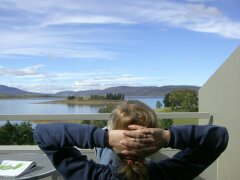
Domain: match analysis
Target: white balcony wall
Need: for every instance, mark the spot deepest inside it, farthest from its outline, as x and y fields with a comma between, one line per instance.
x=220, y=96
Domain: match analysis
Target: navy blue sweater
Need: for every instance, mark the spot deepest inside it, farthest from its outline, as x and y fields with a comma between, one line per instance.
x=199, y=147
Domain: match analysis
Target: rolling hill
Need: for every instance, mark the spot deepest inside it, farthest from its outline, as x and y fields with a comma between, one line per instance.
x=129, y=91
x=6, y=91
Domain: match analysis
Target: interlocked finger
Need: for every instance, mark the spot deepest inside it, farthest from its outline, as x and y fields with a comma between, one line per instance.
x=141, y=152
x=142, y=140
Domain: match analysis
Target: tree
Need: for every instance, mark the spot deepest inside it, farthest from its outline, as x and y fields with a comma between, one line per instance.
x=80, y=98
x=175, y=99
x=166, y=100
x=71, y=97
x=182, y=100
x=165, y=123
x=190, y=101
x=91, y=97
x=7, y=134
x=123, y=97
x=24, y=134
x=118, y=96
x=158, y=104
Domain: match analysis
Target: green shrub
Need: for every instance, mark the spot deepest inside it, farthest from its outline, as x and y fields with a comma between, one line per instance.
x=17, y=134
x=99, y=123
x=165, y=123
x=106, y=109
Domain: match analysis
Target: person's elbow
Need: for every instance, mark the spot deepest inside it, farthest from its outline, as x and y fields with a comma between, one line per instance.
x=39, y=136
x=222, y=135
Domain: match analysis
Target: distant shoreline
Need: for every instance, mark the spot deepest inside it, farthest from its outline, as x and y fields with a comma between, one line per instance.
x=84, y=102
x=24, y=97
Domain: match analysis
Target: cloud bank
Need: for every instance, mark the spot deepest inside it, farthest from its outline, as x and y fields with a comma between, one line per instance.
x=44, y=28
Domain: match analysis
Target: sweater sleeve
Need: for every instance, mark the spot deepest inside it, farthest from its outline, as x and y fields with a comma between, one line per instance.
x=59, y=135
x=58, y=141
x=214, y=138
x=199, y=147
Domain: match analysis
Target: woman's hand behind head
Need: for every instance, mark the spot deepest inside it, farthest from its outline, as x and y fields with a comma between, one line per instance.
x=134, y=147
x=143, y=141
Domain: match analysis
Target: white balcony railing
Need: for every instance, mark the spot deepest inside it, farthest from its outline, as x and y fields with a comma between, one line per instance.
x=96, y=116
x=54, y=117
x=92, y=116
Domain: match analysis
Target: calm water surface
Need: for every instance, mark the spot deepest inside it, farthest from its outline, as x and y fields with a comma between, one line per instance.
x=150, y=101
x=31, y=106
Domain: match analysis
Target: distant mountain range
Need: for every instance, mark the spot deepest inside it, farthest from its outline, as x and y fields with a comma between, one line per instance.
x=126, y=90
x=5, y=90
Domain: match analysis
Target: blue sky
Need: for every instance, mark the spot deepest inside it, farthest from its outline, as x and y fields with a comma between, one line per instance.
x=57, y=45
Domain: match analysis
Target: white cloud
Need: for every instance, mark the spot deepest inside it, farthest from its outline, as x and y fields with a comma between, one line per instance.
x=54, y=44
x=55, y=12
x=45, y=28
x=46, y=88
x=27, y=71
x=202, y=10
x=86, y=19
x=32, y=79
x=194, y=17
x=200, y=1
x=101, y=82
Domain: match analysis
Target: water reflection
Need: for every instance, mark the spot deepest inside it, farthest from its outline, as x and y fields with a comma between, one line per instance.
x=73, y=108
x=32, y=106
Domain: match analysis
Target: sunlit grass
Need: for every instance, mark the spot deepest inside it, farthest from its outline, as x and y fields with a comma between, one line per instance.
x=55, y=121
x=192, y=121
x=178, y=121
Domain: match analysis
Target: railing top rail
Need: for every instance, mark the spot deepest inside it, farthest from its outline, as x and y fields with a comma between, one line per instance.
x=97, y=116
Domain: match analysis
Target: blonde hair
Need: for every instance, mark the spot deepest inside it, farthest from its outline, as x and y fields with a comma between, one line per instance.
x=138, y=113
x=132, y=112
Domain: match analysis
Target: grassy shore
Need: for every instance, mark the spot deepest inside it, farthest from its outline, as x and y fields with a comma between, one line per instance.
x=185, y=121
x=56, y=121
x=179, y=121
x=175, y=121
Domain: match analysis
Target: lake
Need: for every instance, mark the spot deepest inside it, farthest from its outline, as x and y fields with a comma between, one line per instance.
x=31, y=106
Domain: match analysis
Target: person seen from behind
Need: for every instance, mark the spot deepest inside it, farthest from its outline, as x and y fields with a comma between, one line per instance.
x=122, y=149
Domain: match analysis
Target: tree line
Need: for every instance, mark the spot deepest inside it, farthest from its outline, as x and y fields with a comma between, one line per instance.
x=108, y=96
